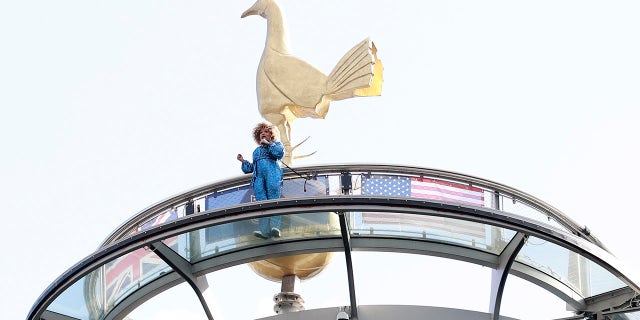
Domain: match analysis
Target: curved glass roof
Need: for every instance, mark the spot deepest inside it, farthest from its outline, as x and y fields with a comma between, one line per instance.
x=346, y=211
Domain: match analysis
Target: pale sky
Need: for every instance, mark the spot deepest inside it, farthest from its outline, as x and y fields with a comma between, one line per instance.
x=111, y=106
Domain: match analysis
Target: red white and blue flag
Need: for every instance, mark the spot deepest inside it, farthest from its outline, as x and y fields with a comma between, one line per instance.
x=427, y=188
x=134, y=267
x=160, y=219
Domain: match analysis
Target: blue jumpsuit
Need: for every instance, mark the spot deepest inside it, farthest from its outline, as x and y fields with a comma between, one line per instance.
x=267, y=178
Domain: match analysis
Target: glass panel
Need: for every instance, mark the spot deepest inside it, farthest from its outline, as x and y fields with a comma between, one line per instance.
x=447, y=191
x=517, y=300
x=631, y=315
x=575, y=271
x=232, y=298
x=230, y=197
x=291, y=188
x=333, y=280
x=94, y=295
x=522, y=209
x=203, y=243
x=166, y=216
x=128, y=273
x=391, y=185
x=74, y=303
x=439, y=229
x=179, y=302
x=296, y=188
x=623, y=316
x=408, y=279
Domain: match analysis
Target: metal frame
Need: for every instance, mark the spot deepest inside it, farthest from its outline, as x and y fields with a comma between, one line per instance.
x=346, y=241
x=184, y=269
x=498, y=188
x=335, y=204
x=500, y=274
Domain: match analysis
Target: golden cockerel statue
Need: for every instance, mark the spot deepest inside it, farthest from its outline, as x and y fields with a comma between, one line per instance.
x=290, y=88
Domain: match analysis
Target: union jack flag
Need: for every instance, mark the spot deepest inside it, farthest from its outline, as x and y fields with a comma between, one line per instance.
x=131, y=270
x=160, y=219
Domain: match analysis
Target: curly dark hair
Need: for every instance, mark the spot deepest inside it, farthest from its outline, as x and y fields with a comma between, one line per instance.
x=275, y=134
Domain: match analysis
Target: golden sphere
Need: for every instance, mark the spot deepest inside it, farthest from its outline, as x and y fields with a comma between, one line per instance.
x=304, y=266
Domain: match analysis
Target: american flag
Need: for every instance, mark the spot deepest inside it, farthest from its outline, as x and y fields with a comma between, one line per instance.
x=435, y=225
x=395, y=186
x=133, y=268
x=427, y=188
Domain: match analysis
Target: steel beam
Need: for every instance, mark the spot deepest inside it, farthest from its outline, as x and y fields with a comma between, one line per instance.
x=346, y=241
x=500, y=274
x=184, y=269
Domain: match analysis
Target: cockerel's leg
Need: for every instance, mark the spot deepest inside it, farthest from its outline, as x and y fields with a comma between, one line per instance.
x=285, y=137
x=286, y=141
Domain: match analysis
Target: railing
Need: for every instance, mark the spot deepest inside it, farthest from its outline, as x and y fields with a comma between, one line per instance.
x=383, y=207
x=358, y=179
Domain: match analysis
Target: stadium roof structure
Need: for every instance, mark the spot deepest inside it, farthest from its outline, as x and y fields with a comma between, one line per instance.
x=347, y=209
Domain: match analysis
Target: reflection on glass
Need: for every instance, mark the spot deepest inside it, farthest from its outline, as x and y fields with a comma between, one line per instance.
x=97, y=293
x=128, y=273
x=389, y=185
x=233, y=301
x=521, y=209
x=201, y=244
x=75, y=304
x=291, y=188
x=577, y=272
x=455, y=231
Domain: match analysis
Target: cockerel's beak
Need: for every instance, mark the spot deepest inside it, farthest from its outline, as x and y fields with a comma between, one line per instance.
x=251, y=11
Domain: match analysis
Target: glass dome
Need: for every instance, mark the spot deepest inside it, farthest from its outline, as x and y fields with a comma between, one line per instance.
x=368, y=241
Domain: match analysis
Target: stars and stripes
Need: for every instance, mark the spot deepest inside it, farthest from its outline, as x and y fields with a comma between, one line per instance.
x=446, y=191
x=436, y=225
x=392, y=186
x=427, y=188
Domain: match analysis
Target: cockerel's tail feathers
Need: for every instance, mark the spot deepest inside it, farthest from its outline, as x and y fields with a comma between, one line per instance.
x=375, y=88
x=358, y=73
x=354, y=65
